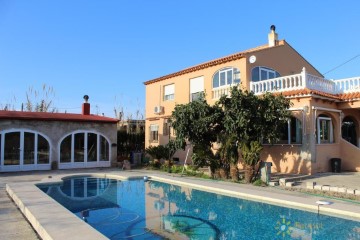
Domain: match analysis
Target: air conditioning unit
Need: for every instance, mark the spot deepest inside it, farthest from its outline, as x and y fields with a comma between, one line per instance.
x=158, y=109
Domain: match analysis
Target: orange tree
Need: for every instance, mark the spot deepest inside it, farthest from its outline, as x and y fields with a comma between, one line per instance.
x=199, y=123
x=254, y=119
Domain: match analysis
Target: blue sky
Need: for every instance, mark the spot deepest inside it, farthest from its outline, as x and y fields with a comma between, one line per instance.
x=107, y=49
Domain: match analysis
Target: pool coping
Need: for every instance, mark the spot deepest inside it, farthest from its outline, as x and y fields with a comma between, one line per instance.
x=58, y=223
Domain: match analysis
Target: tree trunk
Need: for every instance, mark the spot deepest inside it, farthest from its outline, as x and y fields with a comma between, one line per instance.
x=224, y=173
x=249, y=173
x=216, y=174
x=234, y=172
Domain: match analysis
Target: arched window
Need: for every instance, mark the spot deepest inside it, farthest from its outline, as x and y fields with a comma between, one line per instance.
x=324, y=129
x=291, y=132
x=23, y=147
x=348, y=130
x=80, y=147
x=263, y=73
x=226, y=76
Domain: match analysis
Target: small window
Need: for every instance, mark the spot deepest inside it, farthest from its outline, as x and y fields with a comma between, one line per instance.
x=154, y=133
x=226, y=77
x=263, y=73
x=324, y=130
x=169, y=92
x=196, y=88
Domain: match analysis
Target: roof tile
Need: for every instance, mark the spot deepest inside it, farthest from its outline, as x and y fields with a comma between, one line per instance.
x=46, y=116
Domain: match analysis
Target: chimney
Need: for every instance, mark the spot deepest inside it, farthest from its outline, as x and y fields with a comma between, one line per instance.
x=86, y=106
x=273, y=37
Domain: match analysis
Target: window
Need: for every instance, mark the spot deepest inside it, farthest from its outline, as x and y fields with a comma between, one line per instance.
x=226, y=76
x=104, y=149
x=92, y=147
x=43, y=150
x=263, y=73
x=29, y=148
x=79, y=140
x=65, y=150
x=169, y=92
x=154, y=133
x=324, y=129
x=24, y=148
x=12, y=148
x=291, y=132
x=196, y=88
x=83, y=147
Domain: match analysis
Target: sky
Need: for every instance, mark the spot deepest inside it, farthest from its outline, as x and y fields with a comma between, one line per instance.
x=108, y=49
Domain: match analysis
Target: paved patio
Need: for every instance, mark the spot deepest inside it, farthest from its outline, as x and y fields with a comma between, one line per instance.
x=14, y=225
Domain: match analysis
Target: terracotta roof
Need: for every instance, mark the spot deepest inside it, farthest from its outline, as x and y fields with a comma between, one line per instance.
x=307, y=91
x=215, y=62
x=349, y=96
x=45, y=116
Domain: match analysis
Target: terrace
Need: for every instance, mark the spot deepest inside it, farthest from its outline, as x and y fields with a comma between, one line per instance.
x=305, y=80
x=299, y=81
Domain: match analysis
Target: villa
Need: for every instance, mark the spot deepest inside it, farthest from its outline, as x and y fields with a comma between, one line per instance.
x=325, y=113
x=42, y=140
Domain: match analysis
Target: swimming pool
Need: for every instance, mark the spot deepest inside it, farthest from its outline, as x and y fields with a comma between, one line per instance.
x=136, y=209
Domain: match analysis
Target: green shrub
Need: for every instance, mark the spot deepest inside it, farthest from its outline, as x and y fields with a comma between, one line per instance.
x=154, y=164
x=259, y=183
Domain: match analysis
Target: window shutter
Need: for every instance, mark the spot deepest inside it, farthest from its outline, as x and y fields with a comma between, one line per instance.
x=169, y=89
x=197, y=85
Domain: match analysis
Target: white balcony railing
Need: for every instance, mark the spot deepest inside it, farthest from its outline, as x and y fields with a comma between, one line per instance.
x=296, y=82
x=305, y=80
x=218, y=92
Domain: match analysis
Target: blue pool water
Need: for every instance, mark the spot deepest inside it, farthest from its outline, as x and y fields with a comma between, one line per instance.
x=153, y=210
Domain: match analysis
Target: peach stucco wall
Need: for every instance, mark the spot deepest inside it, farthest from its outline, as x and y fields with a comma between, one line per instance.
x=306, y=158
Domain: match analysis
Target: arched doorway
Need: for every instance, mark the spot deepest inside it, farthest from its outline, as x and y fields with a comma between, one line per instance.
x=22, y=150
x=348, y=130
x=84, y=149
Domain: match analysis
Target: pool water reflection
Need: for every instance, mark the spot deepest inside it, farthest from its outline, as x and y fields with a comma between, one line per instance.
x=153, y=210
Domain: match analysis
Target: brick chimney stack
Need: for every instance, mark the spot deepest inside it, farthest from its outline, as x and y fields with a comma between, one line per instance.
x=86, y=106
x=273, y=37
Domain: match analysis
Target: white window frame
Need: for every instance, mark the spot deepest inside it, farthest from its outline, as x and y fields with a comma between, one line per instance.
x=169, y=92
x=331, y=132
x=267, y=70
x=154, y=128
x=289, y=142
x=234, y=75
x=21, y=164
x=196, y=88
x=85, y=162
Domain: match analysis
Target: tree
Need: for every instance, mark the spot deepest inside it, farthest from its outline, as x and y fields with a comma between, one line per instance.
x=198, y=123
x=254, y=119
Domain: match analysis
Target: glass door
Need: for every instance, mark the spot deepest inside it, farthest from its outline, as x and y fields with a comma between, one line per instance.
x=12, y=149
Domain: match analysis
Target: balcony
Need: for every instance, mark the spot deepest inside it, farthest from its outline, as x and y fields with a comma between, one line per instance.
x=305, y=80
